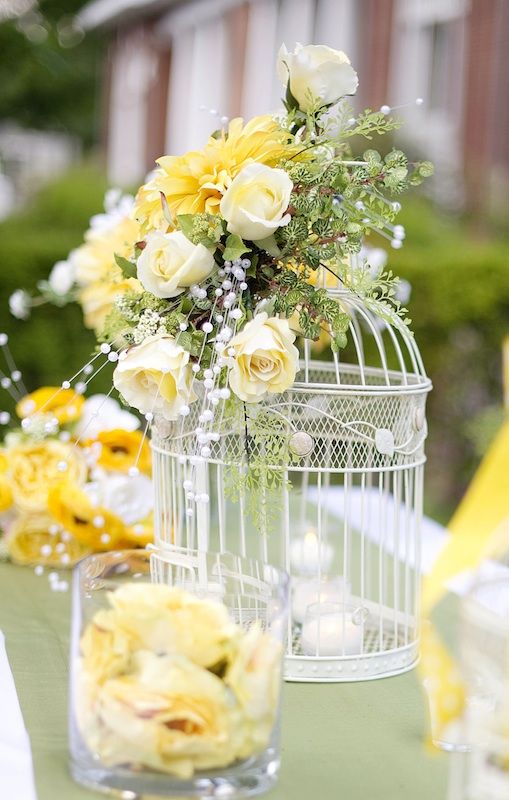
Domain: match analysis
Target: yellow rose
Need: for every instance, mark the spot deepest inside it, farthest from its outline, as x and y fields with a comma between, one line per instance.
x=156, y=377
x=97, y=300
x=265, y=358
x=170, y=263
x=195, y=182
x=317, y=75
x=63, y=404
x=167, y=714
x=168, y=619
x=256, y=203
x=121, y=449
x=29, y=542
x=36, y=468
x=95, y=527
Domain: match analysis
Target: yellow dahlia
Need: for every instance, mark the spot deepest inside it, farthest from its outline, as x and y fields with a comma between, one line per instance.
x=196, y=181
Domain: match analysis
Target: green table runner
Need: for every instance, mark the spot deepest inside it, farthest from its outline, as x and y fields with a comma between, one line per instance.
x=355, y=741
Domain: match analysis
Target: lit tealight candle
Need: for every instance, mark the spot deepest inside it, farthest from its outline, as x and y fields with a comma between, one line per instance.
x=306, y=592
x=329, y=630
x=309, y=554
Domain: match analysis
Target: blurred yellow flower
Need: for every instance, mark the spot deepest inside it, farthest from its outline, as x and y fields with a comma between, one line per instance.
x=30, y=542
x=94, y=527
x=196, y=181
x=5, y=493
x=121, y=449
x=63, y=404
x=4, y=463
x=167, y=681
x=94, y=260
x=105, y=652
x=167, y=714
x=167, y=619
x=35, y=468
x=97, y=300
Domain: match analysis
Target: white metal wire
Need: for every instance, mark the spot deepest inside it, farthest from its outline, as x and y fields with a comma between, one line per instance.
x=358, y=491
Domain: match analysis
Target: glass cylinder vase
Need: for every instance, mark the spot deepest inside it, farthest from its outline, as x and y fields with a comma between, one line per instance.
x=175, y=674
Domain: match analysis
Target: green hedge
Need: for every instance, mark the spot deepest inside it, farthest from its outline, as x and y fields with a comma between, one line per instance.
x=459, y=307
x=460, y=312
x=53, y=342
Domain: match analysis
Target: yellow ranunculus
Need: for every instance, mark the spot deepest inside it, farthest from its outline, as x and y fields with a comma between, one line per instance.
x=196, y=181
x=121, y=449
x=35, y=468
x=264, y=358
x=5, y=493
x=93, y=526
x=94, y=260
x=30, y=542
x=97, y=299
x=63, y=404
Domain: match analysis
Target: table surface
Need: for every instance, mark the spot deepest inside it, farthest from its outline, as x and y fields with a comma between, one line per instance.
x=354, y=741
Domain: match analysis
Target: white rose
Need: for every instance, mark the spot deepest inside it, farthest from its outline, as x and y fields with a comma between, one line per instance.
x=265, y=359
x=256, y=202
x=130, y=498
x=170, y=263
x=318, y=75
x=102, y=413
x=156, y=376
x=61, y=277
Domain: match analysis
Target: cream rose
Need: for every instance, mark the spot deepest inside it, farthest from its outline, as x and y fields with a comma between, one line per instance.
x=170, y=263
x=318, y=75
x=265, y=358
x=156, y=376
x=255, y=205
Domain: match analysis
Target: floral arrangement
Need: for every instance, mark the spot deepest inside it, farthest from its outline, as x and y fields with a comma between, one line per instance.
x=167, y=681
x=74, y=479
x=229, y=257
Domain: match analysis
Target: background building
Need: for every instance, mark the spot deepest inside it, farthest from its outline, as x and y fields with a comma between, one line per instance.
x=167, y=60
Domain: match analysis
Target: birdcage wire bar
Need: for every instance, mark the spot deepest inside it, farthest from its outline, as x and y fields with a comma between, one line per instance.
x=359, y=492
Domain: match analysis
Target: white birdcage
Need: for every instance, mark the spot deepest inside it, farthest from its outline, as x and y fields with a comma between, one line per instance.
x=339, y=507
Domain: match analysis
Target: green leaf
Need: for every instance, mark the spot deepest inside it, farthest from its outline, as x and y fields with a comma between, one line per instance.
x=235, y=248
x=186, y=224
x=127, y=267
x=290, y=101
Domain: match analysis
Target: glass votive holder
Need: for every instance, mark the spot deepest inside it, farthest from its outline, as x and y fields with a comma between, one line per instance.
x=308, y=591
x=176, y=666
x=333, y=629
x=484, y=663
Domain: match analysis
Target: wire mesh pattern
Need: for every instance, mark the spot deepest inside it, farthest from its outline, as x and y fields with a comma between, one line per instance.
x=341, y=455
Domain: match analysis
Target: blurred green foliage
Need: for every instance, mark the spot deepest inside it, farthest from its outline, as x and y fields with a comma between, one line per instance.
x=459, y=307
x=460, y=315
x=48, y=72
x=53, y=343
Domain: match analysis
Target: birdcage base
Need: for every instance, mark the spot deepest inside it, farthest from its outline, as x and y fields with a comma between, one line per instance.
x=384, y=656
